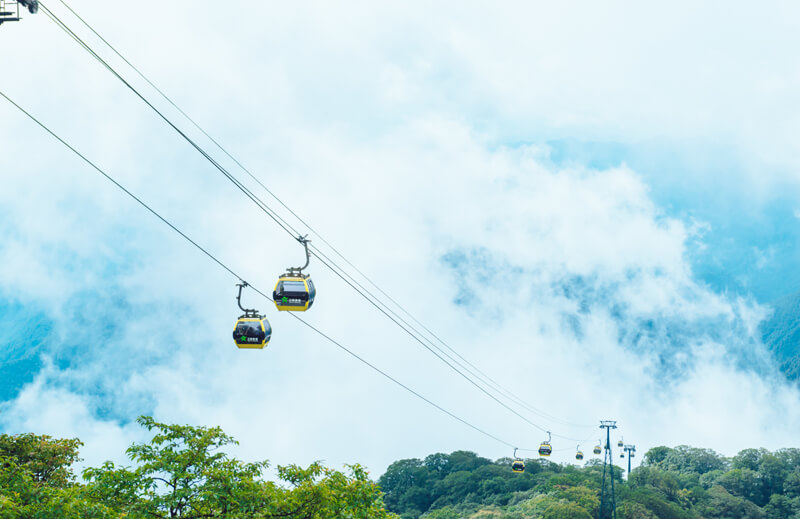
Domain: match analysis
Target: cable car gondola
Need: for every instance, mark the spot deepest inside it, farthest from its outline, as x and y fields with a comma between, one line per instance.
x=620, y=443
x=252, y=330
x=597, y=449
x=578, y=454
x=545, y=449
x=517, y=465
x=294, y=291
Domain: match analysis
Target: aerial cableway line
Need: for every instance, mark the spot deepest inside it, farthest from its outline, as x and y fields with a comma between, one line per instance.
x=480, y=374
x=222, y=265
x=376, y=302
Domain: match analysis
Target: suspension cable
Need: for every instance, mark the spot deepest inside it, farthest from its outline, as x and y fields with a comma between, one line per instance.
x=478, y=373
x=221, y=264
x=376, y=302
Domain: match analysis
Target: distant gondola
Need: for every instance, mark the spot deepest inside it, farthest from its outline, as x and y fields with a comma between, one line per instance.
x=517, y=465
x=545, y=449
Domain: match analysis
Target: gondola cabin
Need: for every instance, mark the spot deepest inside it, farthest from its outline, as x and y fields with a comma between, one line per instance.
x=252, y=333
x=294, y=293
x=518, y=465
x=545, y=449
x=619, y=444
x=579, y=455
x=597, y=449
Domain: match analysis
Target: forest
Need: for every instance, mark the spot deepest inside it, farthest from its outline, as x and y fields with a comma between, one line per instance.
x=681, y=483
x=184, y=472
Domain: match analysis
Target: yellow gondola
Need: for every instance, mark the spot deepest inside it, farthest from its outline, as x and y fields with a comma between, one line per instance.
x=294, y=291
x=620, y=443
x=578, y=453
x=597, y=449
x=545, y=449
x=252, y=331
x=517, y=465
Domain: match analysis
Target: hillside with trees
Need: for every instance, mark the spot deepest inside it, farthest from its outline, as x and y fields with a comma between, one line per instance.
x=781, y=334
x=184, y=472
x=680, y=483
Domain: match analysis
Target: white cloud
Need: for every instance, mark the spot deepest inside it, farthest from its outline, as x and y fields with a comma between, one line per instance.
x=64, y=414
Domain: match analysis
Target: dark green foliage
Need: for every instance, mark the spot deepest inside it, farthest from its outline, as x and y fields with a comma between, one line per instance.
x=779, y=507
x=633, y=510
x=791, y=485
x=654, y=501
x=685, y=459
x=566, y=511
x=183, y=472
x=724, y=505
x=672, y=483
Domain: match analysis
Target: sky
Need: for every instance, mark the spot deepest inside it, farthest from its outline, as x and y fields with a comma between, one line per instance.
x=596, y=205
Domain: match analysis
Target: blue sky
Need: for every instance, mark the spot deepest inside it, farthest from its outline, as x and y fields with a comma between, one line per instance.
x=600, y=224
x=748, y=246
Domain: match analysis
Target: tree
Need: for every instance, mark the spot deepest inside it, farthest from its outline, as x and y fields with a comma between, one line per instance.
x=465, y=460
x=651, y=477
x=779, y=507
x=404, y=475
x=633, y=510
x=655, y=456
x=182, y=472
x=687, y=459
x=584, y=497
x=790, y=456
x=45, y=459
x=725, y=506
x=773, y=471
x=36, y=480
x=791, y=485
x=566, y=511
x=442, y=513
x=744, y=483
x=748, y=459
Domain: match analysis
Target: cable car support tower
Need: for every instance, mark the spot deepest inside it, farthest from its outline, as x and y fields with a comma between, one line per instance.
x=608, y=501
x=631, y=450
x=9, y=9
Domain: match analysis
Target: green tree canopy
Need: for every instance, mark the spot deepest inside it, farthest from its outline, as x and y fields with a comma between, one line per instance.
x=182, y=472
